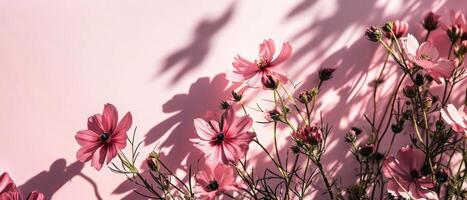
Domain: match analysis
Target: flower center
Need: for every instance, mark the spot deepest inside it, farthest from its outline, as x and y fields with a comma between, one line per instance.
x=414, y=174
x=213, y=185
x=262, y=64
x=220, y=137
x=425, y=57
x=104, y=137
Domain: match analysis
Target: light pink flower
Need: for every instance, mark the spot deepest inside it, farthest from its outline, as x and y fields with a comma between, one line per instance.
x=405, y=178
x=214, y=181
x=426, y=56
x=457, y=119
x=103, y=137
x=250, y=73
x=225, y=141
x=9, y=191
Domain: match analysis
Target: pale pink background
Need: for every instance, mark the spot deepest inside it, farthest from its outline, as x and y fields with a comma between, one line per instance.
x=60, y=61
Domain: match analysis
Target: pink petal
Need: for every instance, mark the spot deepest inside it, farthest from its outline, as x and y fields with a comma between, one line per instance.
x=124, y=124
x=86, y=137
x=411, y=45
x=109, y=118
x=95, y=123
x=267, y=50
x=98, y=158
x=203, y=129
x=111, y=152
x=34, y=195
x=285, y=54
x=119, y=139
x=444, y=67
x=6, y=183
x=427, y=49
x=85, y=152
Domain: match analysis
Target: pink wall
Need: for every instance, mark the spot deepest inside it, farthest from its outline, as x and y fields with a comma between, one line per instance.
x=60, y=61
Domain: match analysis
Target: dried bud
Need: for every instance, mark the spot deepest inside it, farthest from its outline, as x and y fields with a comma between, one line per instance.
x=225, y=105
x=454, y=33
x=419, y=79
x=269, y=82
x=366, y=150
x=326, y=73
x=410, y=91
x=431, y=21
x=310, y=134
x=153, y=161
x=236, y=97
x=378, y=156
x=305, y=97
x=399, y=28
x=373, y=33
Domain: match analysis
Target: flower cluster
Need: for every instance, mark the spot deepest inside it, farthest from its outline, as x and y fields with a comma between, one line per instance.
x=430, y=130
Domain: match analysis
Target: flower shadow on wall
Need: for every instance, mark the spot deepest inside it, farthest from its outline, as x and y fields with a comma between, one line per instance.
x=49, y=182
x=193, y=54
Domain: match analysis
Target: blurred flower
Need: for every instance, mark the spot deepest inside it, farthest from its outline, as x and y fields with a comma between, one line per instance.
x=103, y=137
x=457, y=119
x=326, y=73
x=405, y=178
x=9, y=191
x=399, y=28
x=225, y=141
x=308, y=134
x=431, y=21
x=427, y=57
x=250, y=73
x=214, y=181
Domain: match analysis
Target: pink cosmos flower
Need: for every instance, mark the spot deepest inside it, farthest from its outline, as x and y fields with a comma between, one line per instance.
x=103, y=137
x=309, y=134
x=9, y=191
x=457, y=119
x=214, y=181
x=399, y=28
x=426, y=56
x=225, y=141
x=251, y=73
x=405, y=178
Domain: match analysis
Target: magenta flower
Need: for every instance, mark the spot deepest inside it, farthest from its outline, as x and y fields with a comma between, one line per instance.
x=9, y=191
x=212, y=182
x=308, y=134
x=225, y=141
x=457, y=119
x=251, y=73
x=426, y=56
x=103, y=137
x=405, y=178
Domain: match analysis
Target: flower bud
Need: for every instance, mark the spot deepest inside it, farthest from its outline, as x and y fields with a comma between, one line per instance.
x=399, y=28
x=396, y=128
x=225, y=105
x=326, y=73
x=366, y=150
x=305, y=97
x=378, y=156
x=310, y=134
x=153, y=161
x=410, y=91
x=356, y=130
x=442, y=176
x=454, y=33
x=269, y=82
x=419, y=79
x=274, y=114
x=462, y=49
x=373, y=33
x=427, y=102
x=431, y=21
x=295, y=149
x=236, y=97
